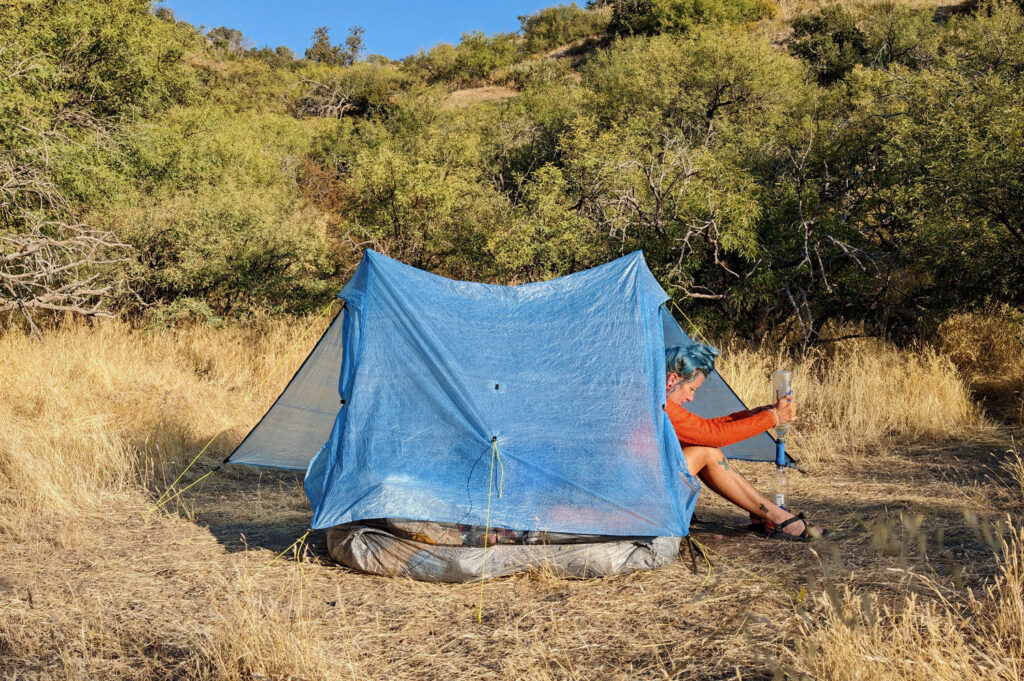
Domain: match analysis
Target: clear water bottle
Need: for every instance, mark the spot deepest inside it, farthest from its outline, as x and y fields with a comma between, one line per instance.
x=782, y=386
x=780, y=487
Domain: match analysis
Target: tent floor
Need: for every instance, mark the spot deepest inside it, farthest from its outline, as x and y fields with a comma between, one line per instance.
x=374, y=549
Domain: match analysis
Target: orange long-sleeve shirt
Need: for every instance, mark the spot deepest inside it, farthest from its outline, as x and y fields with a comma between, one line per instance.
x=721, y=431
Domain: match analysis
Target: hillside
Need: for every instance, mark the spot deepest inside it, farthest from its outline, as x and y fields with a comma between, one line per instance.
x=785, y=168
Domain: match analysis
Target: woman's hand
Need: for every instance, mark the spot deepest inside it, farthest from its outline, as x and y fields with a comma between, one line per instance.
x=785, y=410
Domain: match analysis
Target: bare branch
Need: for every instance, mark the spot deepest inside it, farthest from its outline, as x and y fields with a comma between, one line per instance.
x=323, y=100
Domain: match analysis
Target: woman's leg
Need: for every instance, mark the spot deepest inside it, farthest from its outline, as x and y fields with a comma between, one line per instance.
x=711, y=466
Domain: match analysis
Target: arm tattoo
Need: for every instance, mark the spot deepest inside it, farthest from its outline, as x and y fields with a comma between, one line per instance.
x=763, y=509
x=724, y=463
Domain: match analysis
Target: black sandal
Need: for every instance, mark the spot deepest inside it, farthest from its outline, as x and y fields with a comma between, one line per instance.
x=758, y=525
x=806, y=535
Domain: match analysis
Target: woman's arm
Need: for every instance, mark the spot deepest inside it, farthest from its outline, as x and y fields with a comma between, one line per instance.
x=692, y=430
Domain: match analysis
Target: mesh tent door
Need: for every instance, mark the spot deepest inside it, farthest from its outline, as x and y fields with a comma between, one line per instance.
x=300, y=421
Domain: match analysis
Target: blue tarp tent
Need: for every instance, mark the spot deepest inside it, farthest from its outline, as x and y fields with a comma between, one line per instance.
x=534, y=407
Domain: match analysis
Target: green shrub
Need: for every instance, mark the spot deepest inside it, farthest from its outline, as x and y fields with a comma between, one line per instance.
x=651, y=17
x=239, y=252
x=729, y=80
x=358, y=90
x=897, y=34
x=73, y=75
x=477, y=55
x=554, y=26
x=437, y=65
x=278, y=57
x=830, y=42
x=468, y=63
x=539, y=74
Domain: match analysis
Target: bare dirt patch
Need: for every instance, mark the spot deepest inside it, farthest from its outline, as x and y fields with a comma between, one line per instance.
x=487, y=93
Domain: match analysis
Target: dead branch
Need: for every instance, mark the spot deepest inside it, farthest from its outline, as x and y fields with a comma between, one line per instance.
x=323, y=100
x=58, y=269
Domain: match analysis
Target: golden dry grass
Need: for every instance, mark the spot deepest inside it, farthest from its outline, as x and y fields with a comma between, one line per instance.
x=857, y=394
x=792, y=8
x=989, y=350
x=98, y=420
x=943, y=637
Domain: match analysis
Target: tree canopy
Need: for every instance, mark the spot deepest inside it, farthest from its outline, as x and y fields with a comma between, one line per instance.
x=855, y=163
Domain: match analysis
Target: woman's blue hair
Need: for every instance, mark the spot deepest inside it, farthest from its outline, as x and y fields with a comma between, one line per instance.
x=687, y=360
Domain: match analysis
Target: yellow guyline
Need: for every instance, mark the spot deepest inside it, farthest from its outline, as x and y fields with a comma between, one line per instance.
x=495, y=456
x=164, y=499
x=298, y=542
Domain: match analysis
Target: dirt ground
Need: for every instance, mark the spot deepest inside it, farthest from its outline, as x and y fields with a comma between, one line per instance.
x=195, y=592
x=486, y=93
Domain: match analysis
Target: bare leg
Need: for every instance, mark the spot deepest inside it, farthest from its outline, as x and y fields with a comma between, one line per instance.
x=711, y=466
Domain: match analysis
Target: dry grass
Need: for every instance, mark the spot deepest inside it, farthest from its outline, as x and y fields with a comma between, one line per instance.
x=97, y=420
x=858, y=394
x=96, y=409
x=989, y=350
x=792, y=8
x=945, y=637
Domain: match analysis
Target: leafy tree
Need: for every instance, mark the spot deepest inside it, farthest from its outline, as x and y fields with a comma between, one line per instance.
x=322, y=51
x=73, y=75
x=229, y=40
x=210, y=207
x=357, y=90
x=895, y=33
x=693, y=126
x=279, y=57
x=353, y=45
x=469, y=62
x=554, y=26
x=951, y=139
x=651, y=17
x=631, y=17
x=436, y=65
x=829, y=41
x=477, y=56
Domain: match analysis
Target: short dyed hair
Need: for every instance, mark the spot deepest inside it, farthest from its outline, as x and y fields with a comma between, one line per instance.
x=687, y=360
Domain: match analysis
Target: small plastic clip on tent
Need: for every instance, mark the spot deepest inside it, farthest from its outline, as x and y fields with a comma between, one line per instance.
x=782, y=386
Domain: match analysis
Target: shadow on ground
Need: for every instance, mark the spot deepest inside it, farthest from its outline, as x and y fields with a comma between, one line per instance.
x=249, y=508
x=253, y=508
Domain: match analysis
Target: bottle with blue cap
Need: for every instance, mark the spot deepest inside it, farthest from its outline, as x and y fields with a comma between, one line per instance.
x=782, y=386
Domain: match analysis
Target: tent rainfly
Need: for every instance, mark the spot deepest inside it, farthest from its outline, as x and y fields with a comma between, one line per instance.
x=398, y=409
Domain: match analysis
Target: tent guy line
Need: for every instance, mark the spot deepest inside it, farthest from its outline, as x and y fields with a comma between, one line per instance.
x=164, y=499
x=495, y=454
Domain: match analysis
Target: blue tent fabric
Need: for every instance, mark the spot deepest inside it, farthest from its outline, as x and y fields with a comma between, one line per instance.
x=566, y=376
x=418, y=377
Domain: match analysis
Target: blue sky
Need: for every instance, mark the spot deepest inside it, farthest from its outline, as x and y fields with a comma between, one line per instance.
x=394, y=28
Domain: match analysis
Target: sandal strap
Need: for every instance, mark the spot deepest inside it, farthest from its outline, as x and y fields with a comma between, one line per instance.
x=786, y=523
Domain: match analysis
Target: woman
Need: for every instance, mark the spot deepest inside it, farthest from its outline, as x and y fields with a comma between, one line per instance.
x=686, y=368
